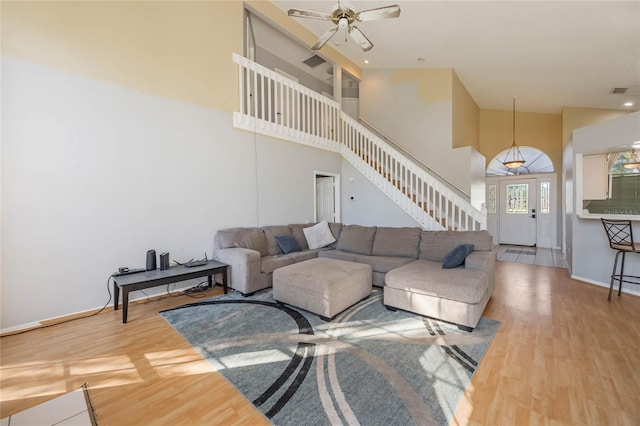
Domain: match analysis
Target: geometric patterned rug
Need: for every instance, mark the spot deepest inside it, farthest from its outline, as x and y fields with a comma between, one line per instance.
x=368, y=366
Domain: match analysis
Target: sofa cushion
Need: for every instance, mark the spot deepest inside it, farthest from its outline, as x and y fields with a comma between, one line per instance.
x=268, y=264
x=357, y=239
x=338, y=254
x=287, y=244
x=318, y=235
x=382, y=264
x=402, y=242
x=298, y=234
x=428, y=278
x=301, y=256
x=456, y=257
x=336, y=229
x=250, y=238
x=270, y=233
x=435, y=245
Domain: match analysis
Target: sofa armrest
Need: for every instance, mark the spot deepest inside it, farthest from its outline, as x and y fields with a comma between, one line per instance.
x=484, y=261
x=245, y=267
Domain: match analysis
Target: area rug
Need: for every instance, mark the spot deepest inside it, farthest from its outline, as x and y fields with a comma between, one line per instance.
x=368, y=366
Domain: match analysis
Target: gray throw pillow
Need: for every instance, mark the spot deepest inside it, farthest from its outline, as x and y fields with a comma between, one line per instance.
x=457, y=256
x=287, y=243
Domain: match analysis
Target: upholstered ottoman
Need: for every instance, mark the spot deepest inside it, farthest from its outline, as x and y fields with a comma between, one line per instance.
x=325, y=287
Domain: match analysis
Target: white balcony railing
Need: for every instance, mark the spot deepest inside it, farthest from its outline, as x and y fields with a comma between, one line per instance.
x=274, y=105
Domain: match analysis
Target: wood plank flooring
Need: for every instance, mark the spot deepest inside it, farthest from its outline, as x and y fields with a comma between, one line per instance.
x=563, y=355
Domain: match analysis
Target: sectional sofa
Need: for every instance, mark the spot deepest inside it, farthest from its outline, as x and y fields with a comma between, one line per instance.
x=406, y=262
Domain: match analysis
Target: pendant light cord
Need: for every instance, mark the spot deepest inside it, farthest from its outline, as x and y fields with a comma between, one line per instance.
x=514, y=120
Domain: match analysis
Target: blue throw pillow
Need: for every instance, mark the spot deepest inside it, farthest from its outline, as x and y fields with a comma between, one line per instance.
x=457, y=256
x=287, y=243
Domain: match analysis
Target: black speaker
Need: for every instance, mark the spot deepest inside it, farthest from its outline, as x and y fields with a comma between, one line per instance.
x=164, y=261
x=151, y=260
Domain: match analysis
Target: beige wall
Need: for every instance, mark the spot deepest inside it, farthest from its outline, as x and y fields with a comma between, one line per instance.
x=434, y=84
x=466, y=116
x=541, y=131
x=574, y=118
x=440, y=85
x=175, y=49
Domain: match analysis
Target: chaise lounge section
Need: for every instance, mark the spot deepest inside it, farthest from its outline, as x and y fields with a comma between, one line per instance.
x=457, y=295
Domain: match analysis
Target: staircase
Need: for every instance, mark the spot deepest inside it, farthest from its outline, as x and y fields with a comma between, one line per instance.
x=273, y=105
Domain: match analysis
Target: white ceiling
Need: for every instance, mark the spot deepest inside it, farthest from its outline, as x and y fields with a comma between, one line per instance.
x=547, y=54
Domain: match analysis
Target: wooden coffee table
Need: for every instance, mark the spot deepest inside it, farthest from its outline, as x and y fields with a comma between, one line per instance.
x=158, y=277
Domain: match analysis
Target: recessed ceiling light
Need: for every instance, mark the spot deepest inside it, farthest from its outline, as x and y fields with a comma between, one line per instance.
x=421, y=60
x=366, y=61
x=628, y=104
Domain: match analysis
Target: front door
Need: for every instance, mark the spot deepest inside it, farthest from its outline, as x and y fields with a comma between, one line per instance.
x=518, y=212
x=325, y=199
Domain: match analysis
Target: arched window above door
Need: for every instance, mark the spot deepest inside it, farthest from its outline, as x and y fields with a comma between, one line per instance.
x=536, y=161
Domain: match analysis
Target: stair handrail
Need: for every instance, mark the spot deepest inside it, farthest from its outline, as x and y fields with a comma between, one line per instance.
x=415, y=159
x=476, y=214
x=315, y=120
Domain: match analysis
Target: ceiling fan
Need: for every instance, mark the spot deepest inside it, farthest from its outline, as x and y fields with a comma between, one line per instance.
x=343, y=18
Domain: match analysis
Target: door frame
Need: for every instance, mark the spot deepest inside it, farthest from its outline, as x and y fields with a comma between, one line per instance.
x=336, y=194
x=551, y=219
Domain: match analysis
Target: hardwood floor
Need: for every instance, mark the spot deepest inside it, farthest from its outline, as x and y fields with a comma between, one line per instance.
x=563, y=355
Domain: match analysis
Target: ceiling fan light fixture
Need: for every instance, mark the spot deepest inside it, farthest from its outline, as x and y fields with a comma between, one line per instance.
x=633, y=162
x=343, y=17
x=514, y=158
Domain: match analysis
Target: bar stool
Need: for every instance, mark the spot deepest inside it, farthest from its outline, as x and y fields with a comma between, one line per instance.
x=620, y=236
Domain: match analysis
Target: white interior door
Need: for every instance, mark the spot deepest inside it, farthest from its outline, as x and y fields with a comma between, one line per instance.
x=325, y=199
x=518, y=212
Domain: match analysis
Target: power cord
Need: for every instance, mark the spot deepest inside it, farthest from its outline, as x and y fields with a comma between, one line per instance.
x=68, y=320
x=196, y=292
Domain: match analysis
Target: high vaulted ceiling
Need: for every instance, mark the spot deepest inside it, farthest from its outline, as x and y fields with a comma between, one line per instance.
x=547, y=54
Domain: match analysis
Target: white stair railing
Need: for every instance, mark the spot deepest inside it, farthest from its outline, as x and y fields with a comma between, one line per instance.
x=274, y=105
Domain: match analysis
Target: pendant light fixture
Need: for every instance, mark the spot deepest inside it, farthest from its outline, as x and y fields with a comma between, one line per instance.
x=633, y=162
x=514, y=158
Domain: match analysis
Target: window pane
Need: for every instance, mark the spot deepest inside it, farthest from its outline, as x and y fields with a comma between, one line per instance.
x=620, y=158
x=544, y=197
x=518, y=198
x=492, y=199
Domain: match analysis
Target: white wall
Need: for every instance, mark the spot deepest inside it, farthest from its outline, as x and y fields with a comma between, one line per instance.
x=424, y=130
x=286, y=180
x=364, y=204
x=94, y=175
x=477, y=173
x=591, y=257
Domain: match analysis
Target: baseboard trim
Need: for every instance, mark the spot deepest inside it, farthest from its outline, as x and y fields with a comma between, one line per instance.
x=21, y=328
x=605, y=285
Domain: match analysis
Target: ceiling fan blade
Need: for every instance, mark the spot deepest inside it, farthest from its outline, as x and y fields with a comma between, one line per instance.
x=379, y=13
x=360, y=38
x=297, y=13
x=325, y=38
